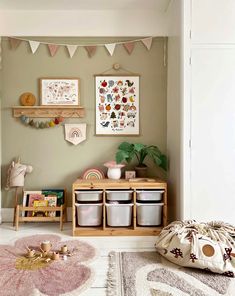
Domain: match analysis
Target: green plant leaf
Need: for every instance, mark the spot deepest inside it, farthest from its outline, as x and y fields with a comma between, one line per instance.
x=138, y=147
x=122, y=156
x=164, y=162
x=125, y=146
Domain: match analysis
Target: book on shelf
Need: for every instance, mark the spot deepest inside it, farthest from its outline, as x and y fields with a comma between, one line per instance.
x=52, y=201
x=60, y=194
x=25, y=200
x=32, y=198
x=40, y=203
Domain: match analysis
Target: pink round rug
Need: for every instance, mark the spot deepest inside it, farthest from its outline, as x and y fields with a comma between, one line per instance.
x=26, y=277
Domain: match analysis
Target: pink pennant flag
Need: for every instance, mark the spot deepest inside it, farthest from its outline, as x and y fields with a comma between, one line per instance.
x=129, y=46
x=147, y=42
x=53, y=49
x=71, y=50
x=34, y=45
x=14, y=42
x=90, y=50
x=110, y=48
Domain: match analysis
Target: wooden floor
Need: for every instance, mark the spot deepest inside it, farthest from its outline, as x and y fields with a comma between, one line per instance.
x=103, y=244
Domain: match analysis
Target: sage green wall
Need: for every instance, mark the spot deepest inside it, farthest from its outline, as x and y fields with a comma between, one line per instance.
x=56, y=162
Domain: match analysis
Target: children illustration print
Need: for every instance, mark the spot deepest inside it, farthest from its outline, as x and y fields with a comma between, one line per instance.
x=117, y=105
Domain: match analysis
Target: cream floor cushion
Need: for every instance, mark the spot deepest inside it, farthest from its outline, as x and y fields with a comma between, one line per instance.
x=209, y=246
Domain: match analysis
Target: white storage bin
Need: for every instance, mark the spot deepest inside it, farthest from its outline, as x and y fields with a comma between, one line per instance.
x=149, y=214
x=89, y=195
x=149, y=195
x=89, y=214
x=119, y=195
x=119, y=214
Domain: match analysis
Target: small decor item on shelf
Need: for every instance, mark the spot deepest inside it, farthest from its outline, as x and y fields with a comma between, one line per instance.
x=114, y=169
x=93, y=174
x=27, y=99
x=75, y=133
x=130, y=174
x=41, y=124
x=128, y=151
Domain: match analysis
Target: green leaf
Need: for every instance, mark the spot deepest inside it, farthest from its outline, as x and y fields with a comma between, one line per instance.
x=125, y=146
x=163, y=165
x=121, y=156
x=138, y=147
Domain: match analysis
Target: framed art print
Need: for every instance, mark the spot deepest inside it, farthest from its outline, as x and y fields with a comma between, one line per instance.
x=59, y=91
x=117, y=105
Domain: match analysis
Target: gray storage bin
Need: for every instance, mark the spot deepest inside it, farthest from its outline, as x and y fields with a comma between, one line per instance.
x=119, y=214
x=89, y=195
x=89, y=214
x=149, y=214
x=119, y=195
x=149, y=195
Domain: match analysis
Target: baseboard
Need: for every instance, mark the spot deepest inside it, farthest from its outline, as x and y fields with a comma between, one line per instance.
x=8, y=213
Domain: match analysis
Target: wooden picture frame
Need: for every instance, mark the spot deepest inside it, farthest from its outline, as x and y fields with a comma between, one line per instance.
x=117, y=105
x=59, y=91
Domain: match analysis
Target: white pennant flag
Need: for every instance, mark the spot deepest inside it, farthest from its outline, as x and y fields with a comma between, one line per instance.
x=34, y=45
x=147, y=42
x=71, y=50
x=110, y=48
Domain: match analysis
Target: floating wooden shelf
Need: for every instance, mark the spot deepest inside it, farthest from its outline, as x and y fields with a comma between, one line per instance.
x=48, y=111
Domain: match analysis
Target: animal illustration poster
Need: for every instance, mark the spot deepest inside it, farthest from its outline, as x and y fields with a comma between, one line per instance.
x=117, y=105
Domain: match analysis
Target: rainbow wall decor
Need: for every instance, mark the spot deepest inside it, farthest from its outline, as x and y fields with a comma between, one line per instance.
x=75, y=133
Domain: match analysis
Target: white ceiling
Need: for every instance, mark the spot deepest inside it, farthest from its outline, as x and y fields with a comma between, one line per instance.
x=157, y=5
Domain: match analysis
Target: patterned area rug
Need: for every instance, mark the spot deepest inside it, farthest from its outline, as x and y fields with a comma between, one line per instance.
x=23, y=276
x=149, y=274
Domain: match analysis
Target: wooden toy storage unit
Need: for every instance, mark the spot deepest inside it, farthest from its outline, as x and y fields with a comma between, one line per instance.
x=108, y=184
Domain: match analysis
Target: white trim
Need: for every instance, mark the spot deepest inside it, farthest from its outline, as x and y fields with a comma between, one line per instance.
x=8, y=213
x=185, y=185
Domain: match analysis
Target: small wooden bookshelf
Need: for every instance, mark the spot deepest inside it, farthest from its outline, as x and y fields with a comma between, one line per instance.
x=20, y=213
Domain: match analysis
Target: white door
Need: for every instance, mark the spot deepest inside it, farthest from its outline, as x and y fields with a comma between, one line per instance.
x=213, y=134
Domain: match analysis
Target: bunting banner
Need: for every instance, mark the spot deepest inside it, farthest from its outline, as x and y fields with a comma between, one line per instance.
x=71, y=49
x=14, y=42
x=110, y=48
x=129, y=46
x=53, y=49
x=147, y=42
x=91, y=49
x=34, y=45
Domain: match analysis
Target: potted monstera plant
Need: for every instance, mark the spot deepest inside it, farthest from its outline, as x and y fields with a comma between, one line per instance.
x=128, y=151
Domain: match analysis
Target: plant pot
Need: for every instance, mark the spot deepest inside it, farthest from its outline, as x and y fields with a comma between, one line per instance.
x=141, y=172
x=114, y=173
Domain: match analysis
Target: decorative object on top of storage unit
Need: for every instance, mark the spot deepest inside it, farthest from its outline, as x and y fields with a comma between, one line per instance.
x=59, y=91
x=117, y=105
x=114, y=169
x=127, y=151
x=93, y=174
x=75, y=133
x=27, y=99
x=16, y=174
x=130, y=174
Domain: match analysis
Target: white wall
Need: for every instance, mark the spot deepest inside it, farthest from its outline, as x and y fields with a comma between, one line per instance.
x=174, y=109
x=83, y=23
x=210, y=192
